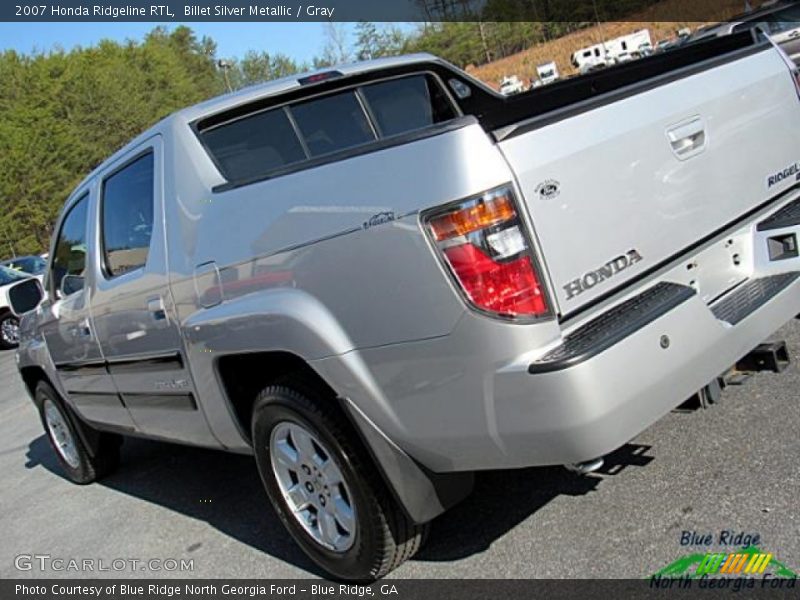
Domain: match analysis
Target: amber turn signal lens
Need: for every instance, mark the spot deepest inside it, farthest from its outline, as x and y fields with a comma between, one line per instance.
x=486, y=212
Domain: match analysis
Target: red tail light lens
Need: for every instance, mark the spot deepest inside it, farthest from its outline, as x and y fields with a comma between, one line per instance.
x=482, y=243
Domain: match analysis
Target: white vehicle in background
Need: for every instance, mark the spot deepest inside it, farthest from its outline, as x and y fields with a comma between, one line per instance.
x=548, y=73
x=618, y=50
x=591, y=58
x=628, y=47
x=9, y=322
x=511, y=85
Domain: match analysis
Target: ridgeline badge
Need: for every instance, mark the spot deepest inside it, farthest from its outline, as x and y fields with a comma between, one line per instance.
x=379, y=219
x=790, y=172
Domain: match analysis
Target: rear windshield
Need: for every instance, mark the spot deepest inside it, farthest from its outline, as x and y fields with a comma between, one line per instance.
x=256, y=146
x=407, y=104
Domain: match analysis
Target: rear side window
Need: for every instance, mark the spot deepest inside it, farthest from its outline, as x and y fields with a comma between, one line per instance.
x=69, y=256
x=332, y=123
x=127, y=216
x=255, y=145
x=407, y=104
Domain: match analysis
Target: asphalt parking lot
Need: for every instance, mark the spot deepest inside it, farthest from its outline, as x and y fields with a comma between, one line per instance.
x=733, y=467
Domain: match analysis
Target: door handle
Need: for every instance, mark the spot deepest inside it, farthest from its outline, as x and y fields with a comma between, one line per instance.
x=688, y=138
x=155, y=307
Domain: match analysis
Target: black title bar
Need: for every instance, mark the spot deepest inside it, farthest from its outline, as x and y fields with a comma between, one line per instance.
x=376, y=10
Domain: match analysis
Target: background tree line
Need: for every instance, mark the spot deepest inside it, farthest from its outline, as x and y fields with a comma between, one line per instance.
x=63, y=112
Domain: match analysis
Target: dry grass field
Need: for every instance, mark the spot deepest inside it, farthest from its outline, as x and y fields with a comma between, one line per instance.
x=523, y=64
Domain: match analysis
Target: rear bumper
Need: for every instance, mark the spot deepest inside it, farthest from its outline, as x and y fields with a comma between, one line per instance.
x=591, y=408
x=469, y=401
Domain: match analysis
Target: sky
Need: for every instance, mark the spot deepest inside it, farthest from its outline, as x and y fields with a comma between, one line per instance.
x=301, y=41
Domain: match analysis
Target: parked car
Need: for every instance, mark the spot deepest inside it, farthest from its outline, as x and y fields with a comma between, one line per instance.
x=383, y=278
x=9, y=322
x=32, y=265
x=664, y=45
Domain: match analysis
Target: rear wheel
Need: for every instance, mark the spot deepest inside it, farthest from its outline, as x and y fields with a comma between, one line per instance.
x=62, y=429
x=9, y=331
x=324, y=487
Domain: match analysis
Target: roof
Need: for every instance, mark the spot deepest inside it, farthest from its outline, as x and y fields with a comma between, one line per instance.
x=277, y=86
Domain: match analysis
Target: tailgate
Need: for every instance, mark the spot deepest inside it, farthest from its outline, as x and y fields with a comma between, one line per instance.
x=617, y=189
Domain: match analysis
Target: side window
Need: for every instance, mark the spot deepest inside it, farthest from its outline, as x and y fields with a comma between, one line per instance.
x=127, y=216
x=332, y=123
x=407, y=104
x=255, y=145
x=69, y=257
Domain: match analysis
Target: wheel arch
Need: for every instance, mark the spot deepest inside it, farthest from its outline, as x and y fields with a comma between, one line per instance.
x=243, y=376
x=31, y=376
x=422, y=494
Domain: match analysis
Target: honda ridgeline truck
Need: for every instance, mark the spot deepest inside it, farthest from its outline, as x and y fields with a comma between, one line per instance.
x=383, y=278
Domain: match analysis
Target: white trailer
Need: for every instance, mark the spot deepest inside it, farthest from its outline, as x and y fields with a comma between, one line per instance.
x=548, y=72
x=627, y=47
x=591, y=57
x=621, y=49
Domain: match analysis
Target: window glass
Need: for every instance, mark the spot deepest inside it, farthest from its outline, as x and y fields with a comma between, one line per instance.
x=8, y=275
x=407, y=104
x=30, y=264
x=69, y=257
x=332, y=123
x=127, y=216
x=253, y=146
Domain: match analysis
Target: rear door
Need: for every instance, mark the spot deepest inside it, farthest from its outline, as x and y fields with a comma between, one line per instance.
x=619, y=188
x=132, y=306
x=67, y=326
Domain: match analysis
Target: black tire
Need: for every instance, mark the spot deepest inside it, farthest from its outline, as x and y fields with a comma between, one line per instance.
x=384, y=537
x=5, y=342
x=88, y=466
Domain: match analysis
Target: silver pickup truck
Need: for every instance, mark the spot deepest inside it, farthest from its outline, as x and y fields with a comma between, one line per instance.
x=383, y=278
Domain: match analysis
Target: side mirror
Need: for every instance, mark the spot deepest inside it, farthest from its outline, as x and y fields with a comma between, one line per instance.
x=70, y=284
x=25, y=296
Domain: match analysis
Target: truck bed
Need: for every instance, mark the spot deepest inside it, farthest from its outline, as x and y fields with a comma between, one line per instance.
x=621, y=175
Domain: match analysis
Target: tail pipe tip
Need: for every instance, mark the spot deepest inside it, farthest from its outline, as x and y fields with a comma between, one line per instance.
x=584, y=468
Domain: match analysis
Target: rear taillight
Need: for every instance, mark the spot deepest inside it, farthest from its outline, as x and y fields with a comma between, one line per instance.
x=484, y=246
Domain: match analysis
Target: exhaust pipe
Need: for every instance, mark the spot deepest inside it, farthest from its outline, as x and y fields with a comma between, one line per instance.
x=584, y=468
